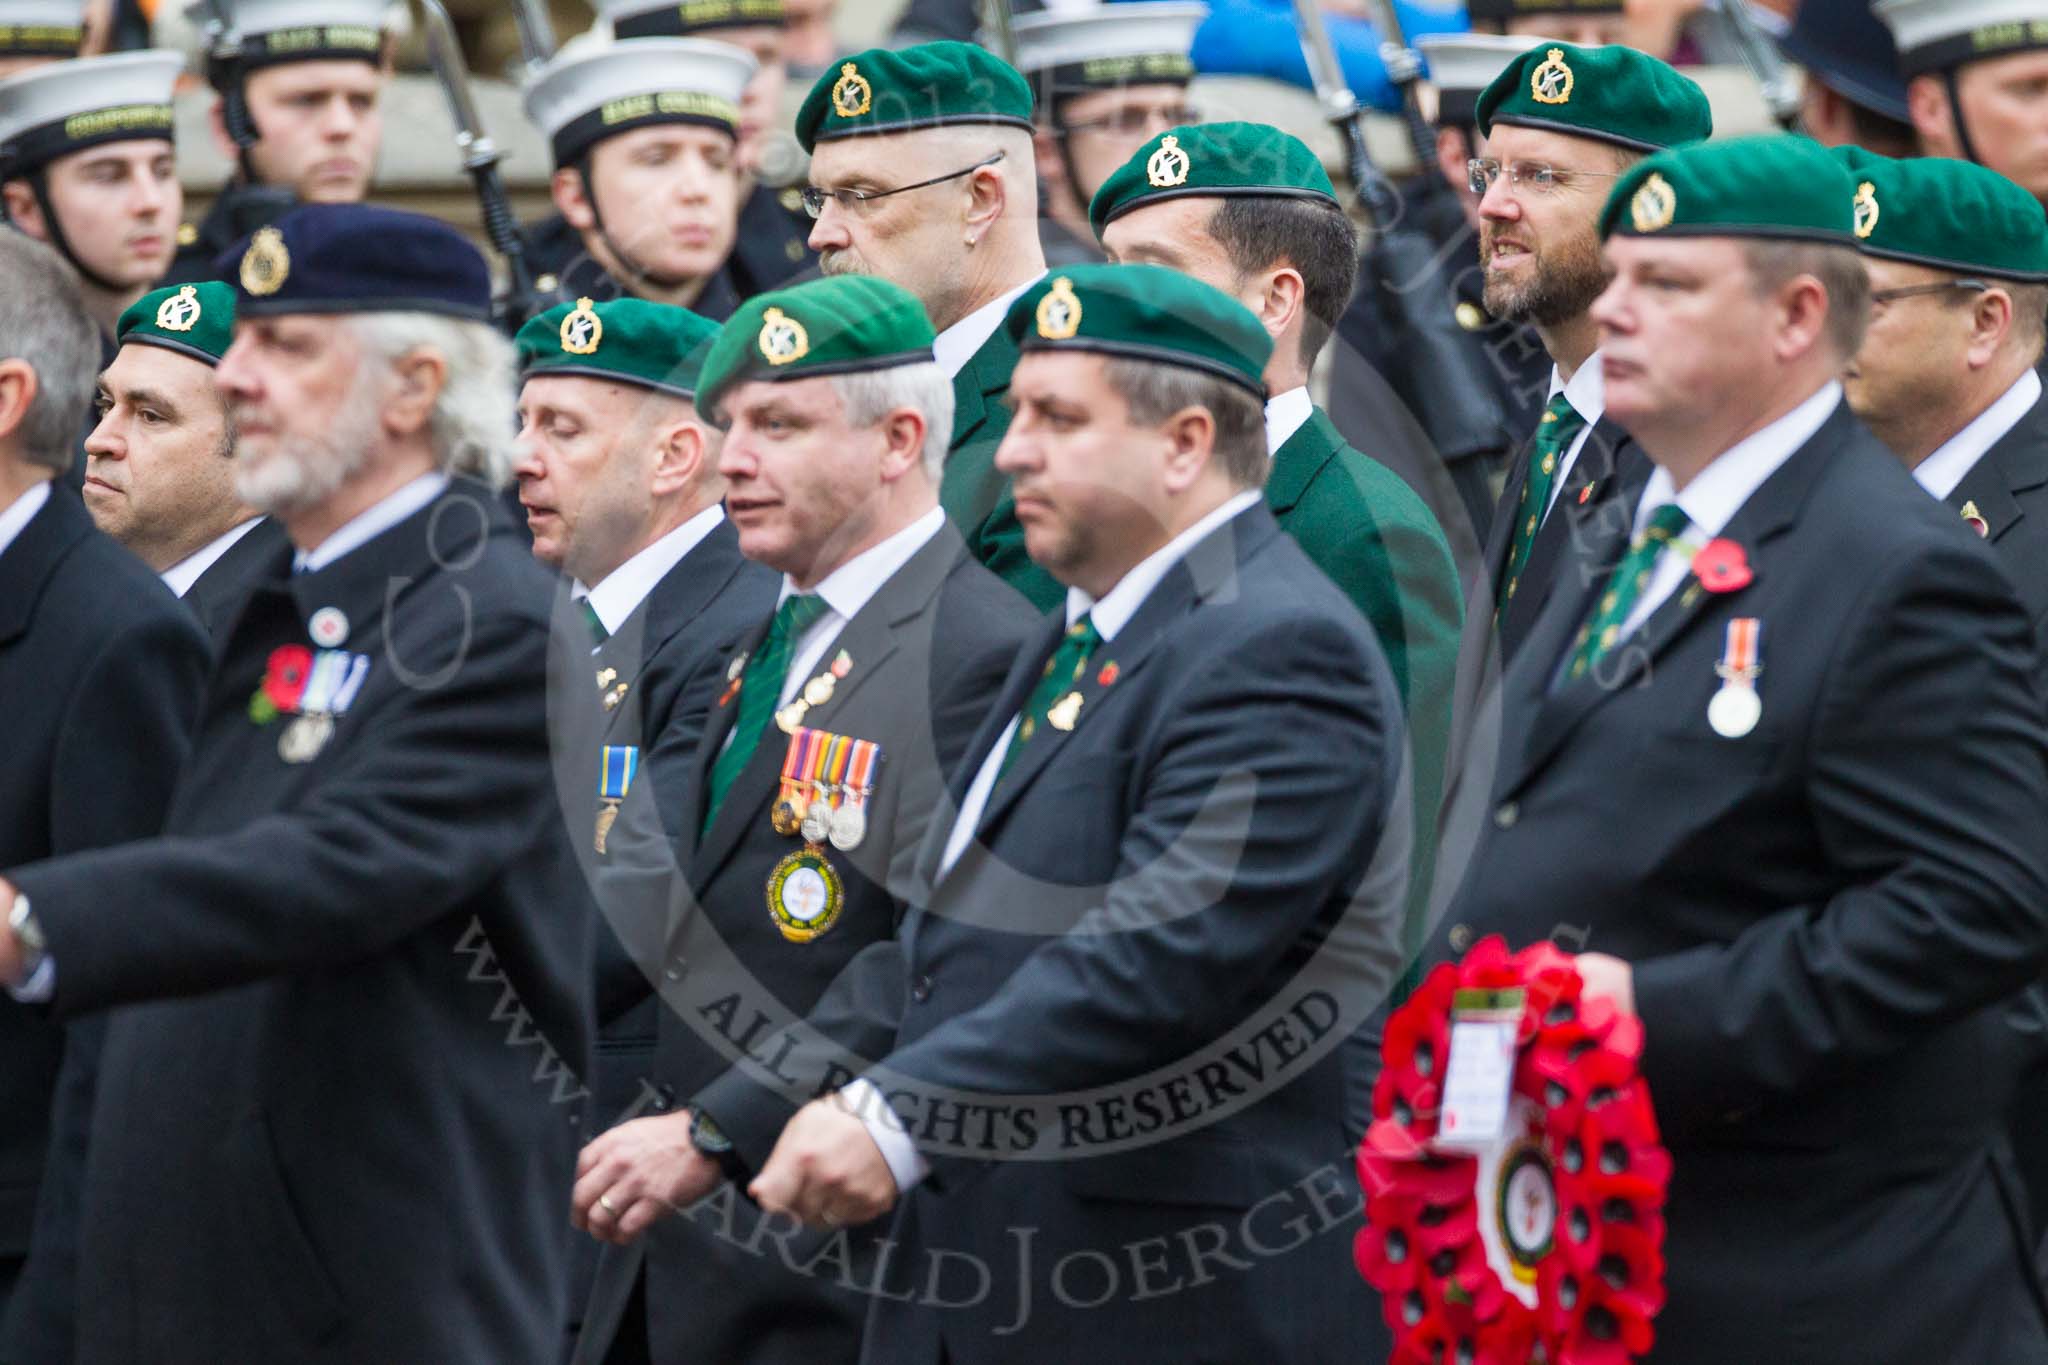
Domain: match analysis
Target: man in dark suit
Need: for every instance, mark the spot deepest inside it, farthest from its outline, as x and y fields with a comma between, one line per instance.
x=100, y=674
x=822, y=763
x=922, y=172
x=1947, y=379
x=354, y=977
x=1782, y=773
x=159, y=473
x=1166, y=848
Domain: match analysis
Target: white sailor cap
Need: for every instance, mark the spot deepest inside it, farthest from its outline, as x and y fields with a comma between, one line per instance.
x=1940, y=35
x=579, y=100
x=1078, y=48
x=42, y=28
x=686, y=18
x=275, y=31
x=64, y=107
x=1462, y=65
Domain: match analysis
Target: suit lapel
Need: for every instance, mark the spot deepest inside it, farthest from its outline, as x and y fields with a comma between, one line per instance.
x=1300, y=458
x=27, y=563
x=985, y=375
x=2017, y=462
x=670, y=606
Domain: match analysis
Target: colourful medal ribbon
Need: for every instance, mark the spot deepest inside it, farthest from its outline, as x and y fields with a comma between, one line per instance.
x=860, y=777
x=616, y=770
x=1742, y=653
x=835, y=766
x=330, y=671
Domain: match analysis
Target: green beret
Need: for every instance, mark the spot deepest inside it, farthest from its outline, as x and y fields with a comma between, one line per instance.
x=197, y=320
x=837, y=325
x=1213, y=160
x=1144, y=312
x=1951, y=215
x=1776, y=185
x=1611, y=94
x=927, y=86
x=628, y=341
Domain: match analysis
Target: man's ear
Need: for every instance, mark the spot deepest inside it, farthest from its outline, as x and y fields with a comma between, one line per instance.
x=572, y=200
x=1277, y=298
x=18, y=389
x=422, y=375
x=905, y=434
x=24, y=210
x=681, y=453
x=1191, y=446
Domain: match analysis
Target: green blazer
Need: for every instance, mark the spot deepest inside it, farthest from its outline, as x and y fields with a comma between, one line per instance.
x=1380, y=543
x=975, y=494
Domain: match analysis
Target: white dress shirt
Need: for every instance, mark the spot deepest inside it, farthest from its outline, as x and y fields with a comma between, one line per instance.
x=180, y=577
x=1287, y=413
x=1110, y=614
x=619, y=593
x=371, y=522
x=1587, y=393
x=1940, y=472
x=847, y=589
x=1717, y=493
x=19, y=513
x=957, y=344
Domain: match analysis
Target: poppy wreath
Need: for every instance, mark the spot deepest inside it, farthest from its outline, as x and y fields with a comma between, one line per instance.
x=1595, y=1265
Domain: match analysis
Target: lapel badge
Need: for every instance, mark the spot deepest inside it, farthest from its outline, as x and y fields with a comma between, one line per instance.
x=1169, y=165
x=842, y=664
x=1551, y=83
x=607, y=676
x=179, y=312
x=328, y=627
x=1063, y=713
x=615, y=696
x=1109, y=674
x=736, y=667
x=1866, y=210
x=851, y=94
x=266, y=264
x=1059, y=312
x=1722, y=566
x=1471, y=316
x=819, y=690
x=783, y=339
x=582, y=329
x=1654, y=206
x=1975, y=519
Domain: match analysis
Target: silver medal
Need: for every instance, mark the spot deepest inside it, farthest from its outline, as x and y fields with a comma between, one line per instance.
x=849, y=827
x=1735, y=710
x=305, y=737
x=817, y=821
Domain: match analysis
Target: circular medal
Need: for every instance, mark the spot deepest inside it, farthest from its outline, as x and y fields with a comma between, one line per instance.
x=791, y=716
x=328, y=627
x=304, y=738
x=784, y=818
x=819, y=690
x=817, y=822
x=805, y=895
x=1735, y=710
x=849, y=827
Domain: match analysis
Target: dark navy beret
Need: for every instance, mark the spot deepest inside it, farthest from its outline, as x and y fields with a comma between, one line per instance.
x=357, y=258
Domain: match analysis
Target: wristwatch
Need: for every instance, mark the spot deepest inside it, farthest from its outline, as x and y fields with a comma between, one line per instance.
x=21, y=922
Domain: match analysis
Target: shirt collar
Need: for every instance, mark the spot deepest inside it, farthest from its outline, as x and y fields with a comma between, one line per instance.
x=1587, y=390
x=1940, y=472
x=371, y=522
x=1286, y=413
x=847, y=588
x=957, y=344
x=19, y=513
x=180, y=577
x=1115, y=608
x=1717, y=492
x=619, y=593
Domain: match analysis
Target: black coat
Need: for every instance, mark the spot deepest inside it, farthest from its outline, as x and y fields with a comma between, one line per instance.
x=100, y=677
x=928, y=652
x=336, y=1115
x=1821, y=914
x=216, y=596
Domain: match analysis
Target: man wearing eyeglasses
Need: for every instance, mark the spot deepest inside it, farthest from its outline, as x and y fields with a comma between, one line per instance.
x=1107, y=77
x=1946, y=377
x=922, y=173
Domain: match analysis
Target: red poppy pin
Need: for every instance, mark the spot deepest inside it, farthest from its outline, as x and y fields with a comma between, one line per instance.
x=1721, y=566
x=1108, y=675
x=284, y=682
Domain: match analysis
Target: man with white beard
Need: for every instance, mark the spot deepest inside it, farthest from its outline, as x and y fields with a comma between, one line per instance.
x=351, y=978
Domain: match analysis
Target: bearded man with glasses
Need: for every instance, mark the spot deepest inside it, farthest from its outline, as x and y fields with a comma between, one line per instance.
x=922, y=174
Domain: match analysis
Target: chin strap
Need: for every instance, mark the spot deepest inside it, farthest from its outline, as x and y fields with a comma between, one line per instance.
x=1955, y=109
x=632, y=267
x=40, y=185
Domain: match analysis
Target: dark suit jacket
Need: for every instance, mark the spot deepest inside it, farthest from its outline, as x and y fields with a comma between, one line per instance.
x=100, y=678
x=1138, y=889
x=1818, y=914
x=976, y=494
x=216, y=595
x=335, y=1115
x=929, y=651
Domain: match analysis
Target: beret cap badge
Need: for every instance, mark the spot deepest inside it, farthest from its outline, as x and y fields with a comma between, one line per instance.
x=851, y=94
x=783, y=338
x=1867, y=210
x=582, y=329
x=1552, y=82
x=1169, y=165
x=1654, y=206
x=1059, y=312
x=180, y=312
x=266, y=264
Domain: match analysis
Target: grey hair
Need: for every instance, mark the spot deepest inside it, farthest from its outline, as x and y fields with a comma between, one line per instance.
x=1154, y=391
x=43, y=321
x=871, y=395
x=472, y=423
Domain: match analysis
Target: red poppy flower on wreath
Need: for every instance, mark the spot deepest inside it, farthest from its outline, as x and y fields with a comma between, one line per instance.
x=1548, y=1246
x=1722, y=566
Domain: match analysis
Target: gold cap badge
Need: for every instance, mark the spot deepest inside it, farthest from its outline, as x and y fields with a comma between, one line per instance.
x=1551, y=83
x=266, y=264
x=1654, y=206
x=783, y=338
x=851, y=93
x=188, y=234
x=1866, y=210
x=582, y=329
x=1168, y=166
x=1059, y=312
x=179, y=312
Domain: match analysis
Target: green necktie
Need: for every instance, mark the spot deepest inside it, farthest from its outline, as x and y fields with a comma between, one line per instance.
x=1625, y=588
x=1062, y=671
x=760, y=690
x=598, y=634
x=1561, y=423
